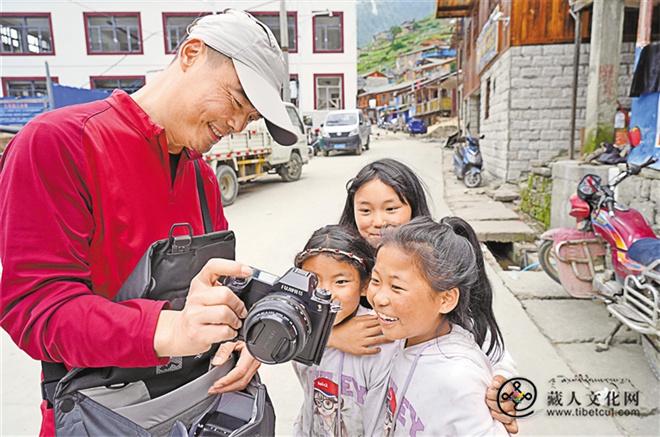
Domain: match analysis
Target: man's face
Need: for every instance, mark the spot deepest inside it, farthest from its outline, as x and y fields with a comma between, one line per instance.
x=212, y=102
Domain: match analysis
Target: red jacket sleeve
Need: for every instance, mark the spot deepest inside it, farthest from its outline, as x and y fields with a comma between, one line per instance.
x=46, y=226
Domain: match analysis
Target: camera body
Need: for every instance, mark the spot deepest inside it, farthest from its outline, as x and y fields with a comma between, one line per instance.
x=288, y=317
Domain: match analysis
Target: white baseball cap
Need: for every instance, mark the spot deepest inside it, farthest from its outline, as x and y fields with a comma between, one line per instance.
x=258, y=61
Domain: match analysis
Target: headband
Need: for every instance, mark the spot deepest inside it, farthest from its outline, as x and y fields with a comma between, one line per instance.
x=305, y=253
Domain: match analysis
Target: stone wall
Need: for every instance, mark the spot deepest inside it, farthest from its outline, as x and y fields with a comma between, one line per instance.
x=642, y=192
x=496, y=128
x=536, y=195
x=533, y=86
x=565, y=178
x=471, y=114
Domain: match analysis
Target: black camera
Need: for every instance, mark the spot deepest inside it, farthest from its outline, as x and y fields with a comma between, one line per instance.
x=289, y=318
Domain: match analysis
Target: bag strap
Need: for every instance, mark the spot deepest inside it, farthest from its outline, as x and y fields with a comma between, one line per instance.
x=52, y=373
x=206, y=215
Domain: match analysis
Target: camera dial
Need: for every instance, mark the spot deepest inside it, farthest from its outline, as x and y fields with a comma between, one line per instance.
x=322, y=294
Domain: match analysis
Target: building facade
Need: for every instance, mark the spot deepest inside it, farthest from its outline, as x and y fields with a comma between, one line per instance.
x=517, y=74
x=108, y=44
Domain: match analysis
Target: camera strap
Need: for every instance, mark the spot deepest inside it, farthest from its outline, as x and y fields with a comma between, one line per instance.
x=54, y=372
x=338, y=429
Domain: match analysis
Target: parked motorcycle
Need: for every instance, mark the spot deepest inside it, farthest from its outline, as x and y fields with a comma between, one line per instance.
x=467, y=159
x=628, y=280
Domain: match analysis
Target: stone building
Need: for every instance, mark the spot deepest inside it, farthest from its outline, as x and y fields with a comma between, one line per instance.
x=516, y=61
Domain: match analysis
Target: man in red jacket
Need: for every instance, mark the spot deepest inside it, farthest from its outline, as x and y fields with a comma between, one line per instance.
x=84, y=191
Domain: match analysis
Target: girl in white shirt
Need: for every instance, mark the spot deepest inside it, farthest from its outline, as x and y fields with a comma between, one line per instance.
x=343, y=395
x=429, y=288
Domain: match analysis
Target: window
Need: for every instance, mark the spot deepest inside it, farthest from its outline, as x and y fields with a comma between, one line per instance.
x=272, y=20
x=328, y=92
x=114, y=33
x=25, y=86
x=295, y=120
x=487, y=100
x=129, y=84
x=26, y=34
x=329, y=33
x=294, y=89
x=175, y=27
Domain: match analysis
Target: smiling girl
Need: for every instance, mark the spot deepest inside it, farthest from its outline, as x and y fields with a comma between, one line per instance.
x=383, y=194
x=429, y=288
x=343, y=395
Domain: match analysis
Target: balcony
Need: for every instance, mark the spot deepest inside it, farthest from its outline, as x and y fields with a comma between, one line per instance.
x=435, y=105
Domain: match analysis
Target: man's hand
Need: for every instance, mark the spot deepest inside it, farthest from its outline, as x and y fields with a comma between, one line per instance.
x=241, y=375
x=211, y=315
x=510, y=423
x=358, y=336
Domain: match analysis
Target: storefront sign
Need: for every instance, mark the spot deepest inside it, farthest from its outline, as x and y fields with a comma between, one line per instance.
x=488, y=41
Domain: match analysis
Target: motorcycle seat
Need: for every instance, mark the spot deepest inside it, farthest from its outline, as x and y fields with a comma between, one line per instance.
x=645, y=251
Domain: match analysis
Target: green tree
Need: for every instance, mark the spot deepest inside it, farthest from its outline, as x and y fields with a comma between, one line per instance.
x=394, y=31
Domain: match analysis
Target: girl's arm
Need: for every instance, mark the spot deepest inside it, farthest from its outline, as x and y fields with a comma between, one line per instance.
x=504, y=368
x=359, y=335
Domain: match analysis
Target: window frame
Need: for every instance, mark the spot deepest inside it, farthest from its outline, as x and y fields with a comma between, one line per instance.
x=487, y=99
x=343, y=98
x=87, y=15
x=6, y=79
x=339, y=14
x=117, y=77
x=166, y=15
x=293, y=14
x=34, y=15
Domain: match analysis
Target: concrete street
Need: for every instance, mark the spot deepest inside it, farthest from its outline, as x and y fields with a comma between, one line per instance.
x=548, y=334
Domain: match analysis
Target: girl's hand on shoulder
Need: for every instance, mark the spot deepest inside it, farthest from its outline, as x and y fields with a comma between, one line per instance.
x=359, y=335
x=509, y=423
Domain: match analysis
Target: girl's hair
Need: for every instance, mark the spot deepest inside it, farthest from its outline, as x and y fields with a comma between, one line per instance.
x=394, y=174
x=449, y=255
x=344, y=245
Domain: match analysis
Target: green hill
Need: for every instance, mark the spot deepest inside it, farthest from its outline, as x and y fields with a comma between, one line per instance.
x=381, y=54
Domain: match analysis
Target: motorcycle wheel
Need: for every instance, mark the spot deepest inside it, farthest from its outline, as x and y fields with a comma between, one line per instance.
x=472, y=179
x=651, y=348
x=548, y=261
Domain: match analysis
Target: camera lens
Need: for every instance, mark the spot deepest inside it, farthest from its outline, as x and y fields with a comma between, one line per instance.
x=277, y=328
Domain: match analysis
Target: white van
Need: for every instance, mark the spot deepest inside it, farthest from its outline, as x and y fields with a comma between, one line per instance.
x=346, y=130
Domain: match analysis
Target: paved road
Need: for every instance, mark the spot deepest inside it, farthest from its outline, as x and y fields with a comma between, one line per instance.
x=272, y=221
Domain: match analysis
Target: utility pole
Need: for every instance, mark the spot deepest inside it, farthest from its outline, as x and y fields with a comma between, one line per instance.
x=604, y=60
x=49, y=88
x=577, y=16
x=284, y=44
x=643, y=27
